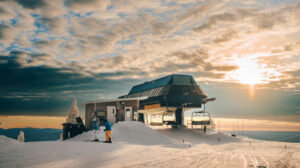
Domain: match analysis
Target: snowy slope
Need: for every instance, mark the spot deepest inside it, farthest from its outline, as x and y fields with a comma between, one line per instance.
x=139, y=146
x=128, y=132
x=137, y=133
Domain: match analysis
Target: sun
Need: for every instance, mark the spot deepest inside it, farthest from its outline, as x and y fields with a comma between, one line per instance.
x=252, y=71
x=248, y=71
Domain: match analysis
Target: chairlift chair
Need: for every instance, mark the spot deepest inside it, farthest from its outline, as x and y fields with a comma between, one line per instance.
x=169, y=118
x=155, y=123
x=201, y=118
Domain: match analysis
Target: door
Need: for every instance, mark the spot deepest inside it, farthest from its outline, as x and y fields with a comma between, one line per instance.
x=128, y=113
x=111, y=114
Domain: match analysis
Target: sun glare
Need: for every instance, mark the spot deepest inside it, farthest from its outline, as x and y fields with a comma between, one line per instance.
x=248, y=71
x=251, y=71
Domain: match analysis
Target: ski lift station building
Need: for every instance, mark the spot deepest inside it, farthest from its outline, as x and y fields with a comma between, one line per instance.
x=171, y=95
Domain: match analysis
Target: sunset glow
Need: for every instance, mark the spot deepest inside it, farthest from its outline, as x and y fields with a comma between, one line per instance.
x=31, y=121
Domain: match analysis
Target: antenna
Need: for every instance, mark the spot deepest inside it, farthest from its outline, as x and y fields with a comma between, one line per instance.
x=237, y=125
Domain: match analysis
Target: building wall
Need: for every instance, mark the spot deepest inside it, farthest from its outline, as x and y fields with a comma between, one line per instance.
x=102, y=106
x=121, y=108
x=89, y=109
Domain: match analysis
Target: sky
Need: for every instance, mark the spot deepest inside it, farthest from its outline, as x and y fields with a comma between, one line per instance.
x=246, y=53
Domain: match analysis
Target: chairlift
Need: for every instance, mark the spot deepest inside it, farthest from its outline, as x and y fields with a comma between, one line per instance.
x=169, y=118
x=155, y=122
x=201, y=118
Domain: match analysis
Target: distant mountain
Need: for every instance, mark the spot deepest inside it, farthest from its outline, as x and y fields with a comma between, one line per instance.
x=33, y=134
x=279, y=136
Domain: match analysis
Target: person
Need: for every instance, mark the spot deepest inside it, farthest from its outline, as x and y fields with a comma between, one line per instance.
x=108, y=131
x=95, y=125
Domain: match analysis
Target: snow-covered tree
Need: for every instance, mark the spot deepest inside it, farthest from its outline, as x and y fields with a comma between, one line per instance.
x=73, y=113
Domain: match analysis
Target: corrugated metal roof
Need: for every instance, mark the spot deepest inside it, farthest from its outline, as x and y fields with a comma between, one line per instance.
x=150, y=85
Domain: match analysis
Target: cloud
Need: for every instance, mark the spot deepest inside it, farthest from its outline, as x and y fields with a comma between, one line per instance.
x=160, y=28
x=3, y=29
x=15, y=22
x=193, y=62
x=103, y=37
x=226, y=36
x=86, y=5
x=29, y=82
x=3, y=59
x=45, y=8
x=22, y=59
x=261, y=19
x=198, y=59
x=216, y=19
x=34, y=73
x=139, y=35
x=6, y=13
x=290, y=47
x=54, y=25
x=276, y=18
x=267, y=21
x=76, y=45
x=288, y=80
x=31, y=4
x=92, y=24
x=222, y=68
x=131, y=6
x=17, y=58
x=40, y=59
x=198, y=11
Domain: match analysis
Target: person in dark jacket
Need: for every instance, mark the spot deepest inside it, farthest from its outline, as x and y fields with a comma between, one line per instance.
x=108, y=130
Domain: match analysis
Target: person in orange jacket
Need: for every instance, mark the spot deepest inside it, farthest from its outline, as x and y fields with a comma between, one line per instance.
x=108, y=131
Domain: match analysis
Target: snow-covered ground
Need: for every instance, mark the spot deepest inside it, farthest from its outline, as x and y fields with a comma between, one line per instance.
x=135, y=145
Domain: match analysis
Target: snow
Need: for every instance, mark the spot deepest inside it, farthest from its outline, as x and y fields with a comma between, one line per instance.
x=8, y=143
x=137, y=133
x=128, y=132
x=135, y=145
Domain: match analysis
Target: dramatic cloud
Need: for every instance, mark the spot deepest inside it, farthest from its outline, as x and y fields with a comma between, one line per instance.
x=31, y=4
x=78, y=48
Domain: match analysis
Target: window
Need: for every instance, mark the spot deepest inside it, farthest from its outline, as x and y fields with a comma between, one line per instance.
x=181, y=80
